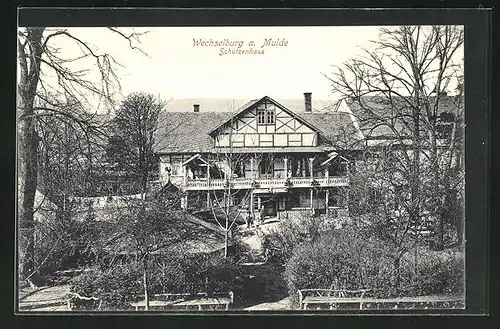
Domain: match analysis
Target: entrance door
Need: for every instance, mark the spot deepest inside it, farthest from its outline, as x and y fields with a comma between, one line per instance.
x=269, y=204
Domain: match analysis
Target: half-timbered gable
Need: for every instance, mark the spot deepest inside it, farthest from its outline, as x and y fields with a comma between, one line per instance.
x=265, y=123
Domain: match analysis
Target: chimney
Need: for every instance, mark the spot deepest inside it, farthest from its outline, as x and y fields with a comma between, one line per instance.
x=307, y=102
x=196, y=107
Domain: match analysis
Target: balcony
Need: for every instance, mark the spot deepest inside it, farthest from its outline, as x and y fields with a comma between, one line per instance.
x=266, y=183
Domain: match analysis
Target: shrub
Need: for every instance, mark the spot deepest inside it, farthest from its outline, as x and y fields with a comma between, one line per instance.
x=280, y=243
x=433, y=273
x=118, y=286
x=64, y=243
x=338, y=259
x=356, y=259
x=115, y=287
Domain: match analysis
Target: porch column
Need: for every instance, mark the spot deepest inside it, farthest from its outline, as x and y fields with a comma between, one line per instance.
x=311, y=160
x=251, y=168
x=311, y=174
x=258, y=203
x=285, y=160
x=327, y=196
x=185, y=175
x=208, y=186
x=312, y=206
x=251, y=204
x=346, y=191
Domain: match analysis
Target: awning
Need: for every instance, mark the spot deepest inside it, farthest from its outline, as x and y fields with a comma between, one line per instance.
x=194, y=157
x=332, y=156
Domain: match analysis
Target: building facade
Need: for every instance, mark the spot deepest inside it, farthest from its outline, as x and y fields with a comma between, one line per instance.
x=269, y=158
x=262, y=157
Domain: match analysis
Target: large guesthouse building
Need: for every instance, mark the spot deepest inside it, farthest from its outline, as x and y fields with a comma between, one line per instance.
x=280, y=160
x=265, y=156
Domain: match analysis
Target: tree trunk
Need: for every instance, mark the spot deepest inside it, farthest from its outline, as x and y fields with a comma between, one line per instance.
x=395, y=276
x=26, y=211
x=28, y=154
x=460, y=232
x=415, y=179
x=436, y=210
x=145, y=282
x=226, y=242
x=226, y=230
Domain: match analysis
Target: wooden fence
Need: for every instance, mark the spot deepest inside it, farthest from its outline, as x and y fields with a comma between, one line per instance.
x=356, y=300
x=198, y=301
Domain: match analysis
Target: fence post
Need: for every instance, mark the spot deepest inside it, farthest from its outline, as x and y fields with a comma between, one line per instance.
x=300, y=298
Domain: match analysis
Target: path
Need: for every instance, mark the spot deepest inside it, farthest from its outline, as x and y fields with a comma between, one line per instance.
x=284, y=304
x=44, y=299
x=252, y=239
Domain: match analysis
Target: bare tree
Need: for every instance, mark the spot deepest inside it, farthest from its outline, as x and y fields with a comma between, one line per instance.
x=225, y=210
x=148, y=226
x=39, y=60
x=229, y=206
x=401, y=86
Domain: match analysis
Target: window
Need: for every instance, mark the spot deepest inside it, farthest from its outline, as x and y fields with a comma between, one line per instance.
x=265, y=114
x=270, y=117
x=261, y=115
x=266, y=166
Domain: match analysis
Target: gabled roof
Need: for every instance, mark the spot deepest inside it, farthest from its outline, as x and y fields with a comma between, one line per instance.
x=186, y=132
x=181, y=130
x=377, y=117
x=194, y=157
x=254, y=102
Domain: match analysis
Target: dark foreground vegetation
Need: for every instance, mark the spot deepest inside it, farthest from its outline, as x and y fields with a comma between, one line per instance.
x=319, y=256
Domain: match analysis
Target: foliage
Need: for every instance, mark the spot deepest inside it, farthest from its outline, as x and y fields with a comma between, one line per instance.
x=433, y=273
x=116, y=287
x=338, y=259
x=41, y=100
x=121, y=284
x=280, y=243
x=67, y=239
x=354, y=259
x=400, y=87
x=131, y=146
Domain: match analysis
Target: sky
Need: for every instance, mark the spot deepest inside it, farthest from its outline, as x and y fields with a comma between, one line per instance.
x=175, y=68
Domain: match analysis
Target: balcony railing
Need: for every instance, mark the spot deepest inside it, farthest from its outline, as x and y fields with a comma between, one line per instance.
x=266, y=183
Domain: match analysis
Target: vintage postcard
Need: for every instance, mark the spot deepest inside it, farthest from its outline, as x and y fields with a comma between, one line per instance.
x=241, y=168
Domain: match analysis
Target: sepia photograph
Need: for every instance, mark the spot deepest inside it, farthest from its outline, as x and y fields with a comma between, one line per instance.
x=240, y=168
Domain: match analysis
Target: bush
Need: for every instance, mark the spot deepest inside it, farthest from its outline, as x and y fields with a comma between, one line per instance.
x=115, y=287
x=338, y=259
x=63, y=244
x=280, y=243
x=122, y=284
x=193, y=274
x=356, y=259
x=433, y=273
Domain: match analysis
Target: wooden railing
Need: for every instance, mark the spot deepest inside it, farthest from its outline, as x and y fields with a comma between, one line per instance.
x=265, y=183
x=198, y=301
x=187, y=301
x=355, y=299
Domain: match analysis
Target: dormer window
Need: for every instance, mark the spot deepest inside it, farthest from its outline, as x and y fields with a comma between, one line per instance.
x=261, y=115
x=270, y=117
x=265, y=114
